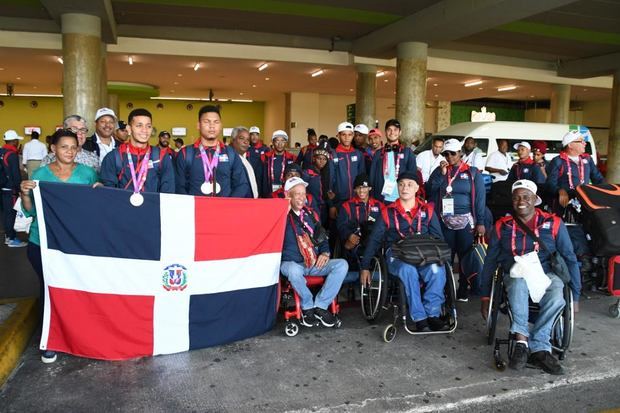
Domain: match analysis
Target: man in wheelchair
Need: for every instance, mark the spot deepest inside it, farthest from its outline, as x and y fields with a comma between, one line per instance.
x=527, y=272
x=354, y=222
x=306, y=252
x=408, y=216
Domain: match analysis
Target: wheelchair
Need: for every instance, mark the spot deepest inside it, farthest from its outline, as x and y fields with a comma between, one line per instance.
x=395, y=291
x=289, y=301
x=561, y=332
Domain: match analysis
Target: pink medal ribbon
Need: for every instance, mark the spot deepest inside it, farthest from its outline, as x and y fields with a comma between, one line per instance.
x=208, y=165
x=139, y=179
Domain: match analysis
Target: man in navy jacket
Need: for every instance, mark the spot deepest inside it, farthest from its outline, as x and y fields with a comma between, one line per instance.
x=304, y=254
x=509, y=240
x=208, y=167
x=116, y=169
x=347, y=163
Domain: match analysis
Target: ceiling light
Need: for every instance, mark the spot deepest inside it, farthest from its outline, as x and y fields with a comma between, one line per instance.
x=480, y=88
x=436, y=96
x=385, y=80
x=130, y=60
x=179, y=75
x=175, y=83
x=473, y=83
x=59, y=59
x=241, y=100
x=350, y=90
x=532, y=96
x=506, y=88
x=240, y=93
x=435, y=84
x=18, y=78
x=263, y=67
x=196, y=66
x=585, y=90
x=34, y=95
x=253, y=85
x=266, y=78
x=317, y=73
x=380, y=73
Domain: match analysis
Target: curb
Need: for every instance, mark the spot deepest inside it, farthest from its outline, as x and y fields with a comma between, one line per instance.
x=15, y=333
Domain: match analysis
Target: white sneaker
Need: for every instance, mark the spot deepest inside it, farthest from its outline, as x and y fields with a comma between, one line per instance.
x=48, y=356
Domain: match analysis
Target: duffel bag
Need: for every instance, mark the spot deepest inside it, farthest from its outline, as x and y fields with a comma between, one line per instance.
x=604, y=228
x=421, y=250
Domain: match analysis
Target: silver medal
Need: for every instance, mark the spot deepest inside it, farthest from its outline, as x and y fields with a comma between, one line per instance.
x=207, y=188
x=449, y=189
x=136, y=199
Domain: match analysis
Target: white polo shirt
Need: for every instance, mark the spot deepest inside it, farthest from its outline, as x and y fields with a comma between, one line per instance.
x=427, y=162
x=499, y=160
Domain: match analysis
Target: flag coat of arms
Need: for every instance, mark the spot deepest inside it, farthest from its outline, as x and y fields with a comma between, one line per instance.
x=177, y=273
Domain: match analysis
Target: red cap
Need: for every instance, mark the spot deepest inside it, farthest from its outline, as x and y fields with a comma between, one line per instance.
x=540, y=146
x=375, y=131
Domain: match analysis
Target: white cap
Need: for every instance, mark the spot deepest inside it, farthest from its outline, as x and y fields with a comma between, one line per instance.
x=571, y=136
x=452, y=145
x=11, y=135
x=104, y=112
x=254, y=129
x=279, y=134
x=294, y=181
x=529, y=185
x=525, y=144
x=345, y=126
x=361, y=128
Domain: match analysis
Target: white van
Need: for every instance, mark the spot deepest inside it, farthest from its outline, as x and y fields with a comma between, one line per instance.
x=486, y=135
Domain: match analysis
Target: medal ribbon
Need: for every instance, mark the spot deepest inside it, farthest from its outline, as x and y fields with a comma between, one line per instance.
x=458, y=171
x=396, y=160
x=208, y=165
x=513, y=239
x=417, y=215
x=271, y=168
x=301, y=218
x=580, y=168
x=140, y=179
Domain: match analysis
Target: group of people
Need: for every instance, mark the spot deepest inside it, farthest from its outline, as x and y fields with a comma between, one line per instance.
x=365, y=193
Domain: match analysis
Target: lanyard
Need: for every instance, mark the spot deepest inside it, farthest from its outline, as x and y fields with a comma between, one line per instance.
x=453, y=177
x=305, y=225
x=208, y=165
x=140, y=179
x=417, y=215
x=271, y=168
x=396, y=161
x=513, y=238
x=359, y=214
x=582, y=172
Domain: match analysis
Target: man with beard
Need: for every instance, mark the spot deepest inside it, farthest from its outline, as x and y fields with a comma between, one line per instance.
x=121, y=133
x=164, y=144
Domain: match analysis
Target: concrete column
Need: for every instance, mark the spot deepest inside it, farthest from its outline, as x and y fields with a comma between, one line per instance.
x=104, y=76
x=365, y=94
x=411, y=89
x=560, y=103
x=81, y=51
x=443, y=114
x=613, y=151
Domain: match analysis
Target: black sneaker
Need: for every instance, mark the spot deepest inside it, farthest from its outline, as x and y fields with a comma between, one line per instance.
x=410, y=324
x=544, y=360
x=422, y=326
x=325, y=317
x=437, y=324
x=462, y=293
x=308, y=318
x=519, y=357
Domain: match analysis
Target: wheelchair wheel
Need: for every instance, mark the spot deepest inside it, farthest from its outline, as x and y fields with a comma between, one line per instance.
x=495, y=300
x=614, y=310
x=449, y=307
x=562, y=332
x=291, y=329
x=373, y=295
x=389, y=333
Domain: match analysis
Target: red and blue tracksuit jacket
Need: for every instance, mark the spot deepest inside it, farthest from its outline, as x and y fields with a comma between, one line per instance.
x=273, y=171
x=12, y=178
x=395, y=223
x=304, y=158
x=355, y=213
x=583, y=173
x=467, y=190
x=407, y=163
x=551, y=231
x=254, y=157
x=230, y=172
x=115, y=171
x=290, y=248
x=527, y=169
x=346, y=164
x=318, y=190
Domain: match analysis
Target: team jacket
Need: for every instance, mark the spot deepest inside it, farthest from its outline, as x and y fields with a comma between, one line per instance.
x=273, y=170
x=304, y=158
x=310, y=200
x=407, y=163
x=254, y=157
x=346, y=164
x=527, y=169
x=552, y=232
x=467, y=190
x=290, y=249
x=318, y=190
x=558, y=173
x=115, y=171
x=395, y=223
x=10, y=165
x=230, y=172
x=354, y=213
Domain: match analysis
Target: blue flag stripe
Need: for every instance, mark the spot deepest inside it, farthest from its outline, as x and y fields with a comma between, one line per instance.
x=101, y=222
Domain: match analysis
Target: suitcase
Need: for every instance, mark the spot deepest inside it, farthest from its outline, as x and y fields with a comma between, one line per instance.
x=601, y=216
x=613, y=276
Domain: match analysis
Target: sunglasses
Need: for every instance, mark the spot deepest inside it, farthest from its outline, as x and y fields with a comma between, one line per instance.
x=584, y=142
x=449, y=153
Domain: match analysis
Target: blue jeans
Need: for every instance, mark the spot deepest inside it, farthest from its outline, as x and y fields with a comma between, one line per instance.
x=335, y=270
x=550, y=306
x=434, y=278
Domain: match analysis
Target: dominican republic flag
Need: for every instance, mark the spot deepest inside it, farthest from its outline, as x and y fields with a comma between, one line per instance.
x=177, y=273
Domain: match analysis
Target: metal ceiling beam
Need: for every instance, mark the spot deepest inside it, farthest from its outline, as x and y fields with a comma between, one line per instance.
x=450, y=20
x=590, y=67
x=99, y=8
